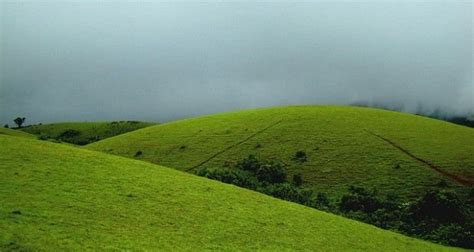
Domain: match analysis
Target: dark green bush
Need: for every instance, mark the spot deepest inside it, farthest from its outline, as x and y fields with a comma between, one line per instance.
x=440, y=215
x=251, y=163
x=438, y=207
x=70, y=133
x=322, y=200
x=297, y=180
x=231, y=176
x=289, y=192
x=43, y=137
x=359, y=199
x=271, y=173
x=454, y=235
x=300, y=156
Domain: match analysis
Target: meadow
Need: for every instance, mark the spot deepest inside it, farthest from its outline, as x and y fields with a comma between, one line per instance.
x=394, y=153
x=59, y=197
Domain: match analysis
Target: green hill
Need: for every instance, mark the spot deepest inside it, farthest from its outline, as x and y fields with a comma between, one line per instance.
x=395, y=153
x=82, y=133
x=17, y=133
x=57, y=197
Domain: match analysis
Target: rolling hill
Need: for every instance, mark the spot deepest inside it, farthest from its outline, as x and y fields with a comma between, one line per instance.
x=81, y=133
x=58, y=197
x=395, y=153
x=17, y=133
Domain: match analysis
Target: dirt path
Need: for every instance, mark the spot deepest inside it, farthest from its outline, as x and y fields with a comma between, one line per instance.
x=234, y=145
x=455, y=178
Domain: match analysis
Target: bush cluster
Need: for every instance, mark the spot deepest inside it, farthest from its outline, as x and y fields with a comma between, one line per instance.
x=263, y=176
x=439, y=215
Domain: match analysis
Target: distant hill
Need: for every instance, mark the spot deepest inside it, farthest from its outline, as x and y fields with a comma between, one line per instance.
x=56, y=197
x=17, y=133
x=82, y=133
x=395, y=153
x=465, y=120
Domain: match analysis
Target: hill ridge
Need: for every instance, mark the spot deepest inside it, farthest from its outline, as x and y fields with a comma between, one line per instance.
x=339, y=151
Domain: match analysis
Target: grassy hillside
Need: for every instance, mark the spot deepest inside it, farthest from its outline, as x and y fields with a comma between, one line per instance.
x=396, y=153
x=17, y=133
x=82, y=133
x=56, y=197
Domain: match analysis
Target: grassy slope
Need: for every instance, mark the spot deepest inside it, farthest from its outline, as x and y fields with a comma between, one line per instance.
x=90, y=131
x=340, y=149
x=17, y=133
x=56, y=197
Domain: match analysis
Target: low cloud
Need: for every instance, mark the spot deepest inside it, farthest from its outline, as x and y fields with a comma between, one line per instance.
x=161, y=61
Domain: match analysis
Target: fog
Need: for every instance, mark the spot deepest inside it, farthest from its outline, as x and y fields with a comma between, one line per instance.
x=158, y=61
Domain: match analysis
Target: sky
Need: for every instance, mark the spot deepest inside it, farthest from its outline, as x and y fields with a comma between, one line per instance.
x=159, y=61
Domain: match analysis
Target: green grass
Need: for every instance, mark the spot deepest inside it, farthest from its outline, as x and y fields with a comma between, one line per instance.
x=55, y=197
x=17, y=133
x=339, y=142
x=88, y=132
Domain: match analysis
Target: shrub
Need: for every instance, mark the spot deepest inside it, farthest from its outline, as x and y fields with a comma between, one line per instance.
x=271, y=173
x=442, y=183
x=230, y=176
x=300, y=156
x=43, y=137
x=288, y=192
x=138, y=153
x=359, y=199
x=251, y=163
x=297, y=180
x=6, y=126
x=470, y=197
x=439, y=207
x=70, y=133
x=322, y=200
x=454, y=235
x=81, y=142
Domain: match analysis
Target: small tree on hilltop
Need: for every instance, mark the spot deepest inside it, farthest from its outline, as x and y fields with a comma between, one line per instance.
x=19, y=121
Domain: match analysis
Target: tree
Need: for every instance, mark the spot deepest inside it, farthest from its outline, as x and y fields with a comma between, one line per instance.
x=6, y=126
x=19, y=121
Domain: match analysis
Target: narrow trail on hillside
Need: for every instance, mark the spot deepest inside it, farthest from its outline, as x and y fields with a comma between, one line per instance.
x=234, y=145
x=455, y=178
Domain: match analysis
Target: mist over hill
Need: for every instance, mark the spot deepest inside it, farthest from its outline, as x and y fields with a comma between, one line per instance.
x=157, y=61
x=465, y=118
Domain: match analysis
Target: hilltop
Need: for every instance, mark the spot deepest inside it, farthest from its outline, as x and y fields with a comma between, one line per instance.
x=392, y=152
x=64, y=198
x=82, y=133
